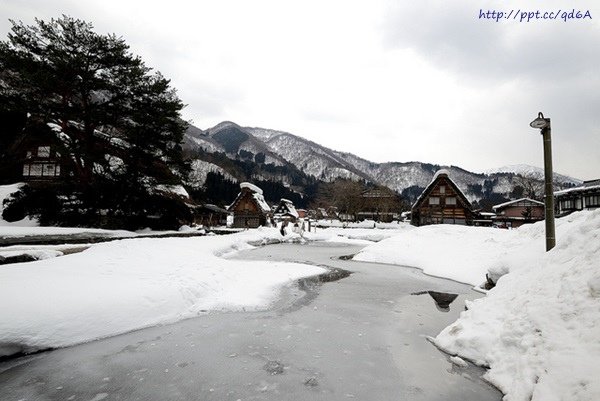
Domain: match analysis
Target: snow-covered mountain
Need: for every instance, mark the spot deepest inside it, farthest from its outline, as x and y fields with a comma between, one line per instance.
x=526, y=170
x=281, y=148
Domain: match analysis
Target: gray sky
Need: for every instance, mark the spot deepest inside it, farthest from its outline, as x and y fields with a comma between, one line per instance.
x=390, y=80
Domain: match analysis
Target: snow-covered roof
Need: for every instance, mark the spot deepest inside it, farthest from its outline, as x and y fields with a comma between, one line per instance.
x=438, y=173
x=261, y=201
x=257, y=195
x=577, y=189
x=289, y=205
x=251, y=187
x=501, y=205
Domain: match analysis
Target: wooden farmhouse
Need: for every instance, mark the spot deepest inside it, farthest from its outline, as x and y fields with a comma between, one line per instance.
x=585, y=196
x=515, y=213
x=250, y=210
x=42, y=162
x=379, y=204
x=286, y=211
x=442, y=202
x=34, y=156
x=210, y=215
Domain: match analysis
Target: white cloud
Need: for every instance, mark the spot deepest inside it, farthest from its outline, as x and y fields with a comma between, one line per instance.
x=387, y=80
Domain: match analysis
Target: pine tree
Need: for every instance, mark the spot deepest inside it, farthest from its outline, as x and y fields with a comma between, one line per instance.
x=119, y=122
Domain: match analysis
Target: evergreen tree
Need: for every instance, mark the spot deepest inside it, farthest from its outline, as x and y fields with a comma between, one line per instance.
x=119, y=122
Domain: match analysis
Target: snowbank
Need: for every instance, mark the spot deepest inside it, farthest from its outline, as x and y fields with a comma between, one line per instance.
x=16, y=232
x=457, y=252
x=538, y=330
x=361, y=224
x=124, y=285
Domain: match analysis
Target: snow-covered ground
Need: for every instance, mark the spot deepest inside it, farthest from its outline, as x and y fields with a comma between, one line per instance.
x=361, y=224
x=13, y=231
x=358, y=236
x=124, y=285
x=457, y=252
x=538, y=330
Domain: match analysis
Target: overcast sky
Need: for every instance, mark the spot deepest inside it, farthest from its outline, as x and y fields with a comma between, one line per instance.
x=390, y=80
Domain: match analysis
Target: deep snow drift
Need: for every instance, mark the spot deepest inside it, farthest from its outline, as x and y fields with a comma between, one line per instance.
x=124, y=285
x=538, y=330
x=460, y=253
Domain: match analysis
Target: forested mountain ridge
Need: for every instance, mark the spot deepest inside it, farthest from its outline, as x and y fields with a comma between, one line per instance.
x=282, y=149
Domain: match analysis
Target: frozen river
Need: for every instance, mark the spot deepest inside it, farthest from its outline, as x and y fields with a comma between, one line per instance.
x=362, y=337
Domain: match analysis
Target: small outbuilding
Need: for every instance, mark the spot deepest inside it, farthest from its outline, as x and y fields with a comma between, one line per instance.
x=379, y=204
x=210, y=215
x=442, y=202
x=286, y=211
x=250, y=210
x=515, y=213
x=483, y=219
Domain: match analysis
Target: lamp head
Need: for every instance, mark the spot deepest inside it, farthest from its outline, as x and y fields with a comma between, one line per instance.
x=540, y=122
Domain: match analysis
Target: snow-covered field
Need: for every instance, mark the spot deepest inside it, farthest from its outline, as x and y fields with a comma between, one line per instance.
x=124, y=285
x=538, y=330
x=359, y=236
x=457, y=252
x=360, y=224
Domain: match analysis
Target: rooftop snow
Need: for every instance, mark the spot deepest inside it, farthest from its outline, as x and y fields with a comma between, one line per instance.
x=576, y=189
x=261, y=202
x=251, y=187
x=501, y=205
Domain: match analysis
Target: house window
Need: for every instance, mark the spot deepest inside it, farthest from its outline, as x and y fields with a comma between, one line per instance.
x=434, y=200
x=451, y=201
x=592, y=200
x=26, y=170
x=44, y=151
x=442, y=189
x=566, y=204
x=49, y=170
x=35, y=170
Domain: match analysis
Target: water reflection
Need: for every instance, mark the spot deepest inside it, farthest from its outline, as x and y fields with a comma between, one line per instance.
x=442, y=300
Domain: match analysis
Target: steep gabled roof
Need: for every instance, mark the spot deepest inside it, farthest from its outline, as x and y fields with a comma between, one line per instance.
x=439, y=175
x=257, y=195
x=288, y=206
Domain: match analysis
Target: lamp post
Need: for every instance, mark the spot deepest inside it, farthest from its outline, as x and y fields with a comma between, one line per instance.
x=543, y=124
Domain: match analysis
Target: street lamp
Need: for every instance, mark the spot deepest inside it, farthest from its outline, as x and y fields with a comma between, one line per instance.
x=543, y=124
